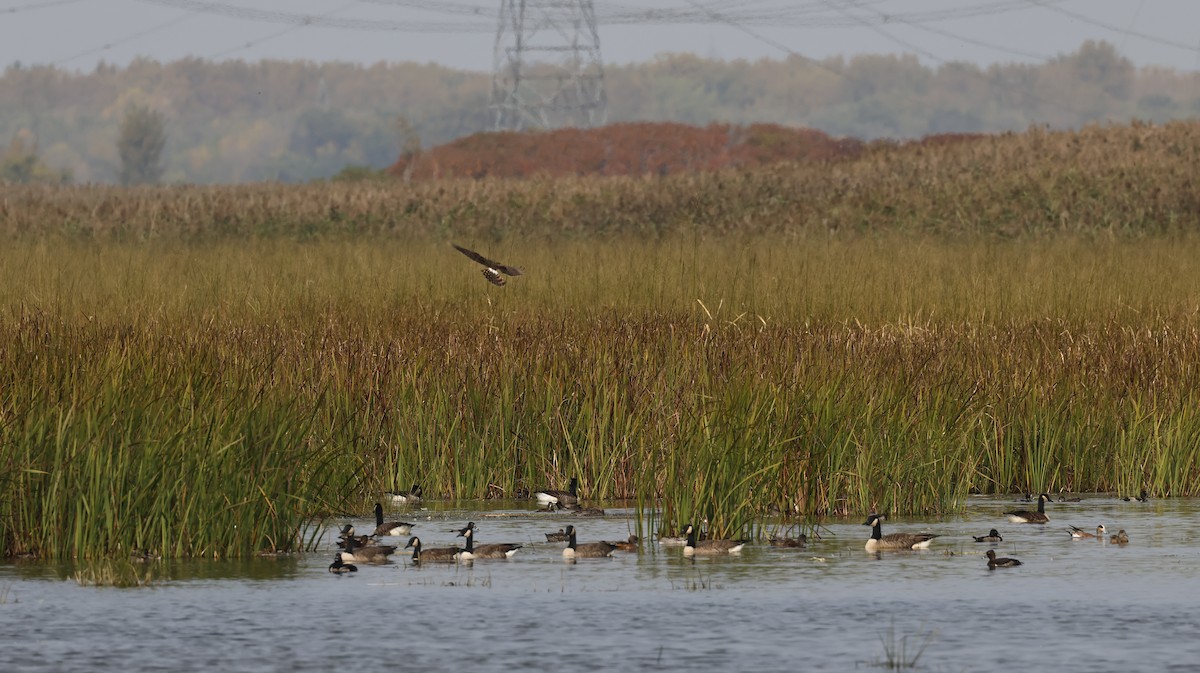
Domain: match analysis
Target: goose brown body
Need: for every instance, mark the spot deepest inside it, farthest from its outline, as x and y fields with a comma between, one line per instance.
x=435, y=555
x=709, y=547
x=551, y=496
x=494, y=550
x=896, y=541
x=587, y=549
x=389, y=527
x=1025, y=516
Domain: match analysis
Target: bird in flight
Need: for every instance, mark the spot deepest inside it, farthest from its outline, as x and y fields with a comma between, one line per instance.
x=492, y=269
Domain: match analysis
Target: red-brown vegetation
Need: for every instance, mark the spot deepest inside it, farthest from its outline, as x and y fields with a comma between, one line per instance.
x=626, y=149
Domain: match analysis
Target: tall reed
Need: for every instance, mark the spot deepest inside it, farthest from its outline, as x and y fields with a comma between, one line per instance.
x=206, y=372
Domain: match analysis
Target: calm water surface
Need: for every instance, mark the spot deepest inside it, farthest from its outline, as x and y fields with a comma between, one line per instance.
x=1074, y=605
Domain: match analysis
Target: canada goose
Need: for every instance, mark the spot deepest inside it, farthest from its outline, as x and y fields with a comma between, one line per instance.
x=1024, y=516
x=1119, y=538
x=709, y=547
x=550, y=496
x=389, y=527
x=880, y=542
x=681, y=540
x=1142, y=497
x=492, y=270
x=1081, y=534
x=560, y=536
x=994, y=562
x=495, y=550
x=368, y=554
x=586, y=550
x=775, y=541
x=992, y=536
x=410, y=497
x=435, y=555
x=630, y=544
x=339, y=566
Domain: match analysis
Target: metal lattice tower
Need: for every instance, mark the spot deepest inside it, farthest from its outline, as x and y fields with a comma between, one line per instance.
x=547, y=67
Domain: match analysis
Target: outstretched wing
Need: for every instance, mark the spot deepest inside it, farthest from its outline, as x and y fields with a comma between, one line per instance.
x=510, y=270
x=477, y=257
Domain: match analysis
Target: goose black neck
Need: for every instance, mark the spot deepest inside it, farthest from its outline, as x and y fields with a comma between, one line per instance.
x=470, y=541
x=378, y=514
x=691, y=536
x=573, y=488
x=877, y=530
x=571, y=540
x=1041, y=504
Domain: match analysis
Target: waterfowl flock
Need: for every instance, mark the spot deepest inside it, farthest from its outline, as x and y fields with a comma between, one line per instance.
x=369, y=549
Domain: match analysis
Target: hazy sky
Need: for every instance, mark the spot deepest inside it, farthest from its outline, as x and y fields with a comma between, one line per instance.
x=76, y=34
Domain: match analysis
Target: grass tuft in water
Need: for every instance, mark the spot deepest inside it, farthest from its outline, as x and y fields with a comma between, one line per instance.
x=898, y=653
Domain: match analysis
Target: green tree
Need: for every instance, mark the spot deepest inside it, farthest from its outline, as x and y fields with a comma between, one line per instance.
x=140, y=145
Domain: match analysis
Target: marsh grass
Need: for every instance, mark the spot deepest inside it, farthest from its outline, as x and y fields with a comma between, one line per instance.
x=898, y=653
x=207, y=371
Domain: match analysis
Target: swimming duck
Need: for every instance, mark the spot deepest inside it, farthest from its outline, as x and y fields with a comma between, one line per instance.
x=435, y=555
x=410, y=497
x=586, y=550
x=496, y=550
x=560, y=536
x=992, y=536
x=339, y=567
x=1142, y=497
x=389, y=527
x=1081, y=534
x=709, y=547
x=579, y=510
x=1119, y=538
x=880, y=542
x=550, y=496
x=787, y=541
x=1024, y=516
x=629, y=544
x=1001, y=562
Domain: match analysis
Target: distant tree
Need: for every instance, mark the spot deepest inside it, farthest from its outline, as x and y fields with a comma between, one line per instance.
x=410, y=145
x=140, y=145
x=20, y=163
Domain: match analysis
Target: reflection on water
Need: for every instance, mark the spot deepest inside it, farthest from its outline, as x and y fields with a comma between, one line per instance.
x=1083, y=604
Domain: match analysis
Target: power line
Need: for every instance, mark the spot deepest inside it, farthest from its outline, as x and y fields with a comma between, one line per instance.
x=36, y=5
x=1046, y=4
x=280, y=33
x=128, y=38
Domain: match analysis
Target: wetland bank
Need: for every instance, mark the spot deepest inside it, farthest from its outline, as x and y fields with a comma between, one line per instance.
x=205, y=372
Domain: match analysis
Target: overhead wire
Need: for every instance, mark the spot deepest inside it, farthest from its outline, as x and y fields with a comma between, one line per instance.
x=30, y=6
x=123, y=40
x=277, y=34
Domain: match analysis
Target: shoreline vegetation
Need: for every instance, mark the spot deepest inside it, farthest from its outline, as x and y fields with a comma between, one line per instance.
x=203, y=371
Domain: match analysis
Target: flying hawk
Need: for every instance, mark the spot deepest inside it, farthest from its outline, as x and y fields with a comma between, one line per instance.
x=493, y=269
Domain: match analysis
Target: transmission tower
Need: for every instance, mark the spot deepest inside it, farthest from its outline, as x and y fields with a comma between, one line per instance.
x=547, y=67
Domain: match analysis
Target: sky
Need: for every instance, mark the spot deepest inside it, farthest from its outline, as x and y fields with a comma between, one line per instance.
x=77, y=34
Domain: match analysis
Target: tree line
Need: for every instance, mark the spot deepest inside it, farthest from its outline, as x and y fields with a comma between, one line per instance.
x=233, y=121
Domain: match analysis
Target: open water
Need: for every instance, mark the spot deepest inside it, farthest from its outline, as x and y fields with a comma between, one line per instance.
x=1074, y=605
